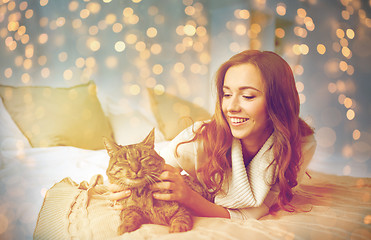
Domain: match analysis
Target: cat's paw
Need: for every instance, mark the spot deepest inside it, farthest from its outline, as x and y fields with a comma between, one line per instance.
x=179, y=227
x=125, y=227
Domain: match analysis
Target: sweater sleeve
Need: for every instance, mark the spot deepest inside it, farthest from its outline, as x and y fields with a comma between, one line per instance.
x=186, y=155
x=309, y=145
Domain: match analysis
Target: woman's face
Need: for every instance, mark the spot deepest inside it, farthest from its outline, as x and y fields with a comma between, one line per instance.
x=244, y=104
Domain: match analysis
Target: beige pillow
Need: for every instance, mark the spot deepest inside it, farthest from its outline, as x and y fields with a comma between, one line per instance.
x=11, y=138
x=58, y=116
x=174, y=114
x=132, y=127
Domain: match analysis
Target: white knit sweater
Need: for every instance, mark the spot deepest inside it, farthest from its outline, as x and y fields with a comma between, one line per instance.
x=246, y=188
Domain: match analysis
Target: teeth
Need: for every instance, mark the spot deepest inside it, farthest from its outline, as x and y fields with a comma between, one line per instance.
x=238, y=120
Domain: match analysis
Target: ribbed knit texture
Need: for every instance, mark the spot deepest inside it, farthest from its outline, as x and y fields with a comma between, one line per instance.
x=248, y=187
x=72, y=211
x=53, y=218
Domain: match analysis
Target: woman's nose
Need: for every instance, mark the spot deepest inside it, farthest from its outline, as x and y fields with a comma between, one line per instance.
x=234, y=105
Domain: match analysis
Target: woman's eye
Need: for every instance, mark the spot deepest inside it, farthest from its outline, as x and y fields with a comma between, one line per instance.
x=248, y=97
x=227, y=94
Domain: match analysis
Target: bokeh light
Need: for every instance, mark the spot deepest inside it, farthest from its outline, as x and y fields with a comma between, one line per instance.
x=356, y=134
x=120, y=46
x=281, y=9
x=326, y=137
x=280, y=33
x=127, y=46
x=321, y=49
x=151, y=32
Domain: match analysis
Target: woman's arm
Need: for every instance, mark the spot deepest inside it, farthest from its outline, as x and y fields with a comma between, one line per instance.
x=309, y=145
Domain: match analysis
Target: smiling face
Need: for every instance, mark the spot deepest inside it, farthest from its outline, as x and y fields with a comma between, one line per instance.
x=244, y=104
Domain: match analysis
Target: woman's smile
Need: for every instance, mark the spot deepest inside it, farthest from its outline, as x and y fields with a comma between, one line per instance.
x=237, y=121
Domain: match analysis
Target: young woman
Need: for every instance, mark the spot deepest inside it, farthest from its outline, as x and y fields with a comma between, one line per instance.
x=253, y=151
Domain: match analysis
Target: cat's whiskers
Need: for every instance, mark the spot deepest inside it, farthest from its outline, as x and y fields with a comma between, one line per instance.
x=150, y=179
x=156, y=177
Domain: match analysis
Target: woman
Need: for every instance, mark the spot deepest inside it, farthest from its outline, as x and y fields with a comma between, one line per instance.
x=252, y=152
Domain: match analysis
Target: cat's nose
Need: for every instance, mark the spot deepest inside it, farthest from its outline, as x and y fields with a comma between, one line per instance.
x=135, y=167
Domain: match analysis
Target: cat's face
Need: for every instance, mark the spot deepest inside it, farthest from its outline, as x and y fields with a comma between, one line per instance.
x=134, y=165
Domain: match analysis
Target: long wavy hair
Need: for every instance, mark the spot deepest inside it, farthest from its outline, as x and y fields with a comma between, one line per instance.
x=283, y=107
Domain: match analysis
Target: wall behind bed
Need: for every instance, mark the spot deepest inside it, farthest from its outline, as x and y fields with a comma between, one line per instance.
x=176, y=47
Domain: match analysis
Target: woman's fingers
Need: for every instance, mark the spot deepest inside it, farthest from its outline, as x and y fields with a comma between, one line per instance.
x=171, y=173
x=116, y=192
x=114, y=187
x=170, y=168
x=172, y=187
x=163, y=186
x=118, y=207
x=164, y=196
x=178, y=193
x=119, y=195
x=168, y=176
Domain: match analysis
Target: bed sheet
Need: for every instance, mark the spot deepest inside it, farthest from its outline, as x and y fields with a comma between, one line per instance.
x=340, y=206
x=329, y=207
x=26, y=175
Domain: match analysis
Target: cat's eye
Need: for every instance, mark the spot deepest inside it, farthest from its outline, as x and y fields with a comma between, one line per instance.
x=121, y=156
x=122, y=161
x=122, y=164
x=151, y=164
x=148, y=161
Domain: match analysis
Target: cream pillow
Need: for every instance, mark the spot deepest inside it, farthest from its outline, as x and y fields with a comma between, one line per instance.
x=11, y=138
x=132, y=127
x=58, y=116
x=174, y=114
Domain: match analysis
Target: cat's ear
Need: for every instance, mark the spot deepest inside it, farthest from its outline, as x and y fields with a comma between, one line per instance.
x=110, y=146
x=150, y=139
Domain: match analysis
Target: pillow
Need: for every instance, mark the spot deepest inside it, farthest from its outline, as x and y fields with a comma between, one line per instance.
x=174, y=114
x=132, y=127
x=11, y=138
x=58, y=116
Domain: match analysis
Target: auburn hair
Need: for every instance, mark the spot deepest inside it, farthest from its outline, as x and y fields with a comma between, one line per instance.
x=283, y=107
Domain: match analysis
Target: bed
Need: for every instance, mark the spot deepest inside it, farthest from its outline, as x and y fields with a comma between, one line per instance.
x=42, y=170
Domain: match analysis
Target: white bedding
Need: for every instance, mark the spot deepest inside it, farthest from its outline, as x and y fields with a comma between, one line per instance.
x=24, y=181
x=341, y=206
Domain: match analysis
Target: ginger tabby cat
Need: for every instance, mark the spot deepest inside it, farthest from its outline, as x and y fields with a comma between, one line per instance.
x=135, y=167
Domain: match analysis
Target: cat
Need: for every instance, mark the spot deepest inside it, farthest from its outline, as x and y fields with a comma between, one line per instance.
x=136, y=167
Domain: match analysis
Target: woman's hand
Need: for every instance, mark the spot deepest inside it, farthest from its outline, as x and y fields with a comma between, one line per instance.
x=117, y=193
x=179, y=191
x=173, y=183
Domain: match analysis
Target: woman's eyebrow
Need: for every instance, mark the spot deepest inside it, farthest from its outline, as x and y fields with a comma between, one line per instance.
x=242, y=88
